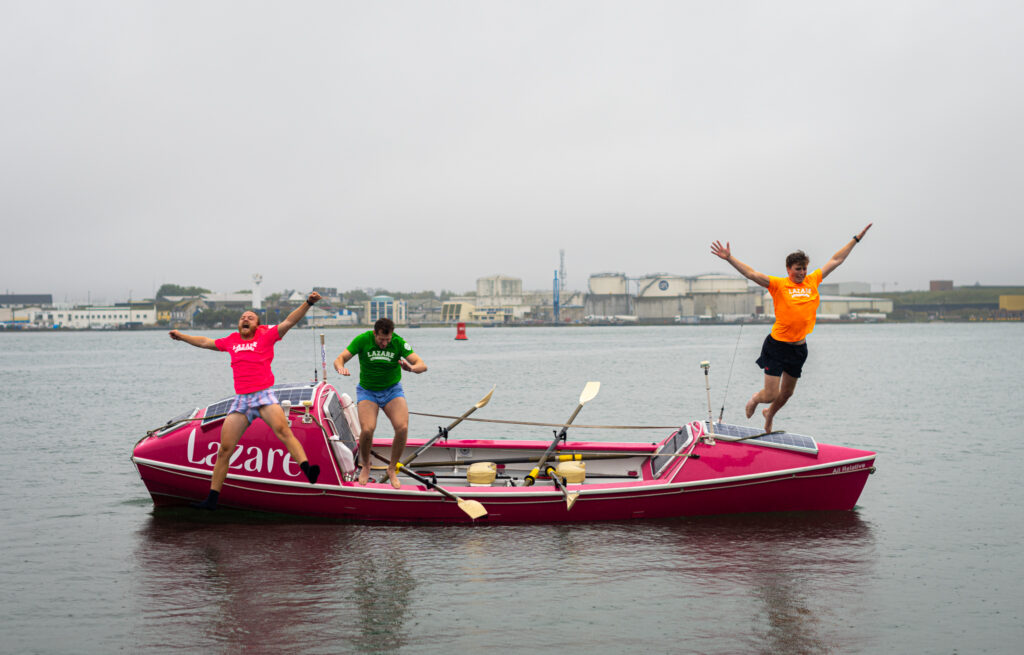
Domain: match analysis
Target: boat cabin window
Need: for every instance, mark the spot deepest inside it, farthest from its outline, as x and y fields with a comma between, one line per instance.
x=174, y=423
x=679, y=440
x=335, y=414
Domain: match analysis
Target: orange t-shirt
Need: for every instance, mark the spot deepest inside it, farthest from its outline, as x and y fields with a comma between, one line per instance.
x=796, y=306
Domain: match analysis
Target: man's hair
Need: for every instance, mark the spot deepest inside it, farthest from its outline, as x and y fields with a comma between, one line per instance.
x=798, y=257
x=384, y=326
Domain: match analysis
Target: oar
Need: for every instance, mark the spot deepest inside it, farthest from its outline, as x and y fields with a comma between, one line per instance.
x=589, y=391
x=443, y=432
x=473, y=508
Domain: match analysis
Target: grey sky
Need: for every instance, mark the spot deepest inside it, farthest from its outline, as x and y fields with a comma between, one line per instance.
x=420, y=145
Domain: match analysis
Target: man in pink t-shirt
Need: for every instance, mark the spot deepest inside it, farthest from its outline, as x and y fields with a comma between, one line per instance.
x=252, y=351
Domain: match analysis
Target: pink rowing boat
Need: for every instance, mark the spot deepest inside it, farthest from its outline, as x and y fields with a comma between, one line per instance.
x=699, y=469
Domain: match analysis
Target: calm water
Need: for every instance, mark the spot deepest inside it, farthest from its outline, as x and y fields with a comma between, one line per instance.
x=930, y=561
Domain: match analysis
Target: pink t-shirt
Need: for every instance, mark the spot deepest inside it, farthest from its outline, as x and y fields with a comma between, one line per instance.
x=250, y=360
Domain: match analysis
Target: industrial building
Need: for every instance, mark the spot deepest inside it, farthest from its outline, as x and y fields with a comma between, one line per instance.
x=500, y=300
x=666, y=297
x=85, y=318
x=844, y=288
x=654, y=298
x=385, y=307
x=609, y=296
x=843, y=307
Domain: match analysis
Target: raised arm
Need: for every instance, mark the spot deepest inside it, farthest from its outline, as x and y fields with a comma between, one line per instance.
x=718, y=250
x=192, y=340
x=297, y=314
x=843, y=253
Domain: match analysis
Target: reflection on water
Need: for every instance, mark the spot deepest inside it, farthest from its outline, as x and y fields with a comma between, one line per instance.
x=241, y=582
x=383, y=587
x=246, y=583
x=796, y=566
x=793, y=625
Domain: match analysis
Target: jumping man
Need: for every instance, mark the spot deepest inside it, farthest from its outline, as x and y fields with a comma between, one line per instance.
x=383, y=355
x=796, y=304
x=252, y=351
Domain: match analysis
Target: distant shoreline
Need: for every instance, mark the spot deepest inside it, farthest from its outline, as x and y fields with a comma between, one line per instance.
x=890, y=321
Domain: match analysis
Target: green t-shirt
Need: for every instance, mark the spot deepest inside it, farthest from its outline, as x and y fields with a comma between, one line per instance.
x=379, y=367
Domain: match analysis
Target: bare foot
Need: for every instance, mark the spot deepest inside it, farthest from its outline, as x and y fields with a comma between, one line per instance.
x=393, y=479
x=767, y=420
x=364, y=475
x=751, y=406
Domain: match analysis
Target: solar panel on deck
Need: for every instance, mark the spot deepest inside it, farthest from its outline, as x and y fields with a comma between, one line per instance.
x=216, y=411
x=294, y=394
x=786, y=440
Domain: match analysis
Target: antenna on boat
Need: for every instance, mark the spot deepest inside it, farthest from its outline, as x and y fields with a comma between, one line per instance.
x=323, y=356
x=721, y=412
x=706, y=365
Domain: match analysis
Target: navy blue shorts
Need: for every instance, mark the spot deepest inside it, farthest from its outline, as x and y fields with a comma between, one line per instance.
x=778, y=357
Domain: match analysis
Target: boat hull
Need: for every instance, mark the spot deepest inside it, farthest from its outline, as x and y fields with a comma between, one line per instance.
x=813, y=491
x=696, y=476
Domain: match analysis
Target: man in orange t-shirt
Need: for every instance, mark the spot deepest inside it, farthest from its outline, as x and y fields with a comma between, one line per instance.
x=796, y=305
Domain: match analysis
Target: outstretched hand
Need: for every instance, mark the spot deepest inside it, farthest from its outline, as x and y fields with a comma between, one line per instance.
x=864, y=231
x=312, y=298
x=175, y=335
x=724, y=252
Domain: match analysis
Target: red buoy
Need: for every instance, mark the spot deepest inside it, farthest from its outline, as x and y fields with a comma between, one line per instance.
x=460, y=331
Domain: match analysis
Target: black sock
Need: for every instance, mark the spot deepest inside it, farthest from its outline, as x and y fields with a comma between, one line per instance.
x=312, y=472
x=209, y=503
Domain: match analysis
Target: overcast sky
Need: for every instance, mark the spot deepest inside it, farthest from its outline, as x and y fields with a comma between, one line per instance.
x=421, y=145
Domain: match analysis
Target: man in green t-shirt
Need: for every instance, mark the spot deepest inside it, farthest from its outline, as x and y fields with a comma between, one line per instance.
x=383, y=355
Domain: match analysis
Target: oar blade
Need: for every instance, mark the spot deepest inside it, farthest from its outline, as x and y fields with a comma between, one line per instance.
x=480, y=403
x=486, y=399
x=472, y=508
x=589, y=391
x=570, y=499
